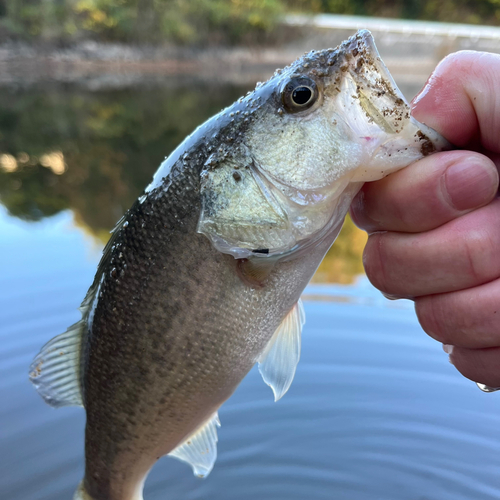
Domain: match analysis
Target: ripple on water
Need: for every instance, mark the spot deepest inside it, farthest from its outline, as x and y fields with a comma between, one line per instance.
x=375, y=411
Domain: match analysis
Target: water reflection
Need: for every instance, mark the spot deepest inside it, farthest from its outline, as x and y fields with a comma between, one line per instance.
x=93, y=153
x=344, y=260
x=375, y=410
x=106, y=146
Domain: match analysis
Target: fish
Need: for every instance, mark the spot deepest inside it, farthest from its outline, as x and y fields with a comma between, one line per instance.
x=202, y=277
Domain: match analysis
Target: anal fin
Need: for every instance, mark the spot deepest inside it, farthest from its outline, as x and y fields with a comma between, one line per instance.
x=200, y=449
x=278, y=362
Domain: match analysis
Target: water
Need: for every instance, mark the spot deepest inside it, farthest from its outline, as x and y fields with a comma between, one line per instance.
x=375, y=410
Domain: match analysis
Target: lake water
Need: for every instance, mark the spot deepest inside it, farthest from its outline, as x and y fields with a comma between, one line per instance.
x=375, y=412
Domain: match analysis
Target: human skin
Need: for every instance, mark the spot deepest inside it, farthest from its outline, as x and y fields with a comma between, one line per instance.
x=434, y=227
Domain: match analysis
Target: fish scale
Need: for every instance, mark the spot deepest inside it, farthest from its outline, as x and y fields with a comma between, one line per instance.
x=183, y=270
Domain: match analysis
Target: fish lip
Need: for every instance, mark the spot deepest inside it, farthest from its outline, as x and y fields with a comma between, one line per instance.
x=371, y=50
x=364, y=35
x=439, y=142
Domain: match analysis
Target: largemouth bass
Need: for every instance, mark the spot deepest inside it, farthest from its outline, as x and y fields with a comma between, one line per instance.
x=202, y=277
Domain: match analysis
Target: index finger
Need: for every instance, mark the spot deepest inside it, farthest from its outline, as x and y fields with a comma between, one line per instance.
x=427, y=194
x=461, y=102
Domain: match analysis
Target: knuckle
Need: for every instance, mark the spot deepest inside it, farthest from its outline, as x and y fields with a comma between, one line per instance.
x=480, y=251
x=479, y=365
x=430, y=317
x=374, y=261
x=457, y=60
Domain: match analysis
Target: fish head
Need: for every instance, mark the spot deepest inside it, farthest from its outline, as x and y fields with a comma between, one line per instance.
x=303, y=144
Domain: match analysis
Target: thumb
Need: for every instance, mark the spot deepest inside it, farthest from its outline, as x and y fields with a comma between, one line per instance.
x=462, y=102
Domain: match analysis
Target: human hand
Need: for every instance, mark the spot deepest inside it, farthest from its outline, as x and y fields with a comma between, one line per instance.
x=435, y=226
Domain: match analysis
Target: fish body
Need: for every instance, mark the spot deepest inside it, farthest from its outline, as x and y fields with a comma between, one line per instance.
x=202, y=277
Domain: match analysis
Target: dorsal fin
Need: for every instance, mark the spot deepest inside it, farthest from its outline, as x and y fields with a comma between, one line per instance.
x=56, y=369
x=200, y=449
x=278, y=362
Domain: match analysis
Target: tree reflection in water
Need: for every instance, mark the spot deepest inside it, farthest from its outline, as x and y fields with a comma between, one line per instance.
x=93, y=152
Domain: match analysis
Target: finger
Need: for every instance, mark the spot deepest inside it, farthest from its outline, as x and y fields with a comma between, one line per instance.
x=427, y=194
x=460, y=254
x=468, y=318
x=479, y=365
x=461, y=100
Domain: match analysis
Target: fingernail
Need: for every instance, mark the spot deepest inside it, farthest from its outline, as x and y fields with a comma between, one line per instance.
x=423, y=92
x=358, y=212
x=447, y=348
x=425, y=101
x=470, y=185
x=393, y=296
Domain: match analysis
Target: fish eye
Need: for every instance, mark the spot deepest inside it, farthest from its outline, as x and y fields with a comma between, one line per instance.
x=299, y=94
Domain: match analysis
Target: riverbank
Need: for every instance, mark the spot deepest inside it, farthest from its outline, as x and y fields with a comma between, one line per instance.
x=411, y=49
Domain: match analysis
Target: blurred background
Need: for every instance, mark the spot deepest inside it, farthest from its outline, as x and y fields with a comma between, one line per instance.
x=93, y=95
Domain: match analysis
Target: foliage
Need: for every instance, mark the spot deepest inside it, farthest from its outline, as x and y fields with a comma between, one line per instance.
x=219, y=20
x=459, y=11
x=210, y=21
x=109, y=18
x=181, y=21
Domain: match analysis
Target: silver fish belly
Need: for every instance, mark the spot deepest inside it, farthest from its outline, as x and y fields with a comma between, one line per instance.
x=202, y=277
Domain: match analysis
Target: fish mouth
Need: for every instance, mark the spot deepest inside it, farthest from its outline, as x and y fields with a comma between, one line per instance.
x=368, y=80
x=364, y=47
x=376, y=115
x=430, y=141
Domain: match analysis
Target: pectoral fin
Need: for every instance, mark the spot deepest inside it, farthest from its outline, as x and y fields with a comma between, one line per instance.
x=200, y=449
x=278, y=362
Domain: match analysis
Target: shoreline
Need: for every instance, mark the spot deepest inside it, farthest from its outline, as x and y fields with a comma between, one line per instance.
x=410, y=49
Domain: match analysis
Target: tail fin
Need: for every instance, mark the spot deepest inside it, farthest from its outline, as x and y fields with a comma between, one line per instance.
x=81, y=494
